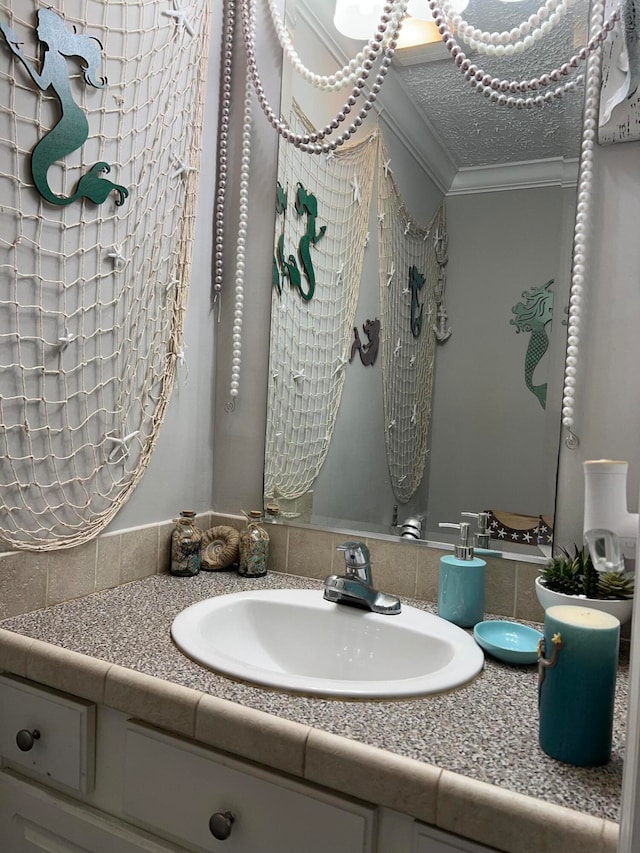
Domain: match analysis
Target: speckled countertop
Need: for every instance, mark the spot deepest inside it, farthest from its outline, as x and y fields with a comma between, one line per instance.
x=487, y=731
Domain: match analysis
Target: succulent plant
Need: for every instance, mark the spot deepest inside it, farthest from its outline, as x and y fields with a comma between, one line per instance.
x=576, y=575
x=615, y=585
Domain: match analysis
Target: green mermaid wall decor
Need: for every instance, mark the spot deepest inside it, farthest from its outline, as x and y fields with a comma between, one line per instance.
x=532, y=316
x=72, y=129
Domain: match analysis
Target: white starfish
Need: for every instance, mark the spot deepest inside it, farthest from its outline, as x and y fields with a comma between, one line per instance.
x=329, y=157
x=339, y=274
x=390, y=276
x=121, y=444
x=180, y=16
x=414, y=414
x=174, y=282
x=392, y=423
x=342, y=363
x=386, y=168
x=407, y=228
x=397, y=349
x=65, y=340
x=182, y=168
x=366, y=239
x=381, y=217
x=412, y=361
x=118, y=258
x=356, y=189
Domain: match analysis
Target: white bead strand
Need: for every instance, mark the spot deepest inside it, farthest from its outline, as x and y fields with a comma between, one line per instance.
x=513, y=41
x=487, y=84
x=241, y=244
x=350, y=72
x=582, y=225
x=312, y=142
x=228, y=29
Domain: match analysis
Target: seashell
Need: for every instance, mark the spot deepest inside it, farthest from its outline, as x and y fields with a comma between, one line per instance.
x=220, y=548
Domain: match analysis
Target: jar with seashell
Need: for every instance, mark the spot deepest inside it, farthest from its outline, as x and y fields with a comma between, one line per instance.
x=254, y=547
x=186, y=541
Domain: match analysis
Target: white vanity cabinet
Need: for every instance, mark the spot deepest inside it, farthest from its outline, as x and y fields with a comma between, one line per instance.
x=89, y=780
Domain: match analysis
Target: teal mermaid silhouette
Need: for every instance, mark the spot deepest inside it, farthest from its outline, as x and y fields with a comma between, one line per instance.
x=532, y=316
x=72, y=129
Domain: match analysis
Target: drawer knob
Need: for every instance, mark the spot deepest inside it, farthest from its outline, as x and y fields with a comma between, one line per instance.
x=220, y=825
x=25, y=739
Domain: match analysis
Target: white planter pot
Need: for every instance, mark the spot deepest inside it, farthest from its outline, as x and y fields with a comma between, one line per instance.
x=621, y=609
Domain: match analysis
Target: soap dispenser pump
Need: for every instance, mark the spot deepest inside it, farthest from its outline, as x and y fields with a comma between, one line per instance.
x=462, y=582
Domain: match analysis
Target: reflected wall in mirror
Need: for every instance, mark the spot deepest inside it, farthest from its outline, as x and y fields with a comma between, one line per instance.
x=501, y=185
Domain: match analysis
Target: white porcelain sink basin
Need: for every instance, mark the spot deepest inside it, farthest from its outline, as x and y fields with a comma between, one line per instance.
x=294, y=640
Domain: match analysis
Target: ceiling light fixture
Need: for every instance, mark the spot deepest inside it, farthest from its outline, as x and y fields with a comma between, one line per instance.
x=357, y=19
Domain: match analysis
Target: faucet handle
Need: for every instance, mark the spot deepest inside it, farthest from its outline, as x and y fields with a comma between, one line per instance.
x=356, y=554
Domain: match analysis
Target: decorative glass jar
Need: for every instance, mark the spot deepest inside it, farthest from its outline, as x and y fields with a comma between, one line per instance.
x=254, y=547
x=186, y=541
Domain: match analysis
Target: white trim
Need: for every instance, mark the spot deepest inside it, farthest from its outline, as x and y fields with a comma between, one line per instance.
x=555, y=171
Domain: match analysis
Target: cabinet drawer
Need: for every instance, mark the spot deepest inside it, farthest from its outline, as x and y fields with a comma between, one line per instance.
x=173, y=787
x=63, y=749
x=427, y=839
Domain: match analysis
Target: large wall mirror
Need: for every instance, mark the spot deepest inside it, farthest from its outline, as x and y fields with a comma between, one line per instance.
x=490, y=191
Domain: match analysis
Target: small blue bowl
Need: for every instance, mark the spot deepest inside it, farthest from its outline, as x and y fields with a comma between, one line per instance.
x=508, y=641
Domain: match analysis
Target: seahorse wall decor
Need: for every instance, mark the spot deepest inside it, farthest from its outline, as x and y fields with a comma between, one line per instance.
x=72, y=129
x=532, y=316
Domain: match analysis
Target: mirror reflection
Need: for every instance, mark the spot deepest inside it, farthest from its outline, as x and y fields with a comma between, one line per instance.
x=420, y=283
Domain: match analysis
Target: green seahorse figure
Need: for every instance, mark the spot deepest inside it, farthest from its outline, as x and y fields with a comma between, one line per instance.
x=72, y=129
x=533, y=316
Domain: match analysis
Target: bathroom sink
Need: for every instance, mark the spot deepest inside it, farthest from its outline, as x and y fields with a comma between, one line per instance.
x=296, y=641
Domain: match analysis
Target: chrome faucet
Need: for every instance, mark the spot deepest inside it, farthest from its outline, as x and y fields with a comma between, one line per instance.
x=355, y=586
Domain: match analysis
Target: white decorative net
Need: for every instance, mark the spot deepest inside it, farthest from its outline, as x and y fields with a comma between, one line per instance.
x=311, y=339
x=92, y=296
x=407, y=251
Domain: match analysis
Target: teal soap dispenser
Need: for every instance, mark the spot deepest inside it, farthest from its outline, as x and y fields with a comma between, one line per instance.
x=461, y=583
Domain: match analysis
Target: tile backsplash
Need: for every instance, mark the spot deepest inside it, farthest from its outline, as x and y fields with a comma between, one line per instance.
x=32, y=580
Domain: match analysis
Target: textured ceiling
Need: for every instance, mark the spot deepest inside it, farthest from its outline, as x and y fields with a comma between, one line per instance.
x=478, y=133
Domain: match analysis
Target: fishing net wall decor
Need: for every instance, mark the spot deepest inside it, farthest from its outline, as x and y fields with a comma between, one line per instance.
x=322, y=222
x=412, y=269
x=95, y=250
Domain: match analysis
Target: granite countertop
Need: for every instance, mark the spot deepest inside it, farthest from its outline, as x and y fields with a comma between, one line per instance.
x=486, y=731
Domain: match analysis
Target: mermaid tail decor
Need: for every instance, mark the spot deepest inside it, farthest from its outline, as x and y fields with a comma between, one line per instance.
x=532, y=316
x=72, y=129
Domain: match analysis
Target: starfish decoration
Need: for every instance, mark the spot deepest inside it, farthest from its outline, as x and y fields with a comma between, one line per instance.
x=339, y=273
x=356, y=189
x=65, y=340
x=182, y=168
x=397, y=349
x=386, y=168
x=412, y=361
x=121, y=444
x=174, y=282
x=392, y=423
x=407, y=228
x=414, y=414
x=381, y=217
x=329, y=157
x=366, y=239
x=180, y=16
x=342, y=363
x=390, y=276
x=118, y=258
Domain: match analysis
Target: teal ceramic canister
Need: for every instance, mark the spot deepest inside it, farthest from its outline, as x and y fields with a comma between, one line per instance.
x=578, y=666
